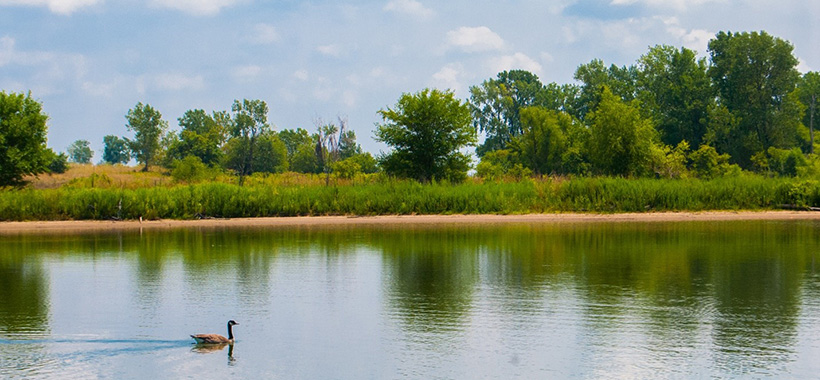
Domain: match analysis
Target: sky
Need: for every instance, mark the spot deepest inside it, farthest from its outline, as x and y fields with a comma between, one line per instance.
x=90, y=61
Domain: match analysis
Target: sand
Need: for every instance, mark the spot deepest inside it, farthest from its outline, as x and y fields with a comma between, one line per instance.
x=80, y=226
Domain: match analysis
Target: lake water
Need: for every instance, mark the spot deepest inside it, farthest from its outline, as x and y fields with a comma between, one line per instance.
x=583, y=301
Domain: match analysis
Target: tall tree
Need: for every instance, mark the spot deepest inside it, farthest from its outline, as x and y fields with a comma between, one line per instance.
x=620, y=141
x=427, y=131
x=115, y=150
x=80, y=152
x=542, y=145
x=676, y=92
x=496, y=104
x=809, y=88
x=594, y=75
x=297, y=140
x=201, y=135
x=755, y=74
x=22, y=138
x=148, y=127
x=250, y=120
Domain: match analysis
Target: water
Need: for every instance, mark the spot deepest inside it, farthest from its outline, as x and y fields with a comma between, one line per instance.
x=584, y=301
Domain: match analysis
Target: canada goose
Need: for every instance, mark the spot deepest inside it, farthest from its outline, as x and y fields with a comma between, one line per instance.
x=216, y=338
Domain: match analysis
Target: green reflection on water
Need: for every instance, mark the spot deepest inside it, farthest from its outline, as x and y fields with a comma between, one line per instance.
x=736, y=285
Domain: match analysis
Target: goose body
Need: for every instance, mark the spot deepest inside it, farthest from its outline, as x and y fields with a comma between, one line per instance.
x=216, y=338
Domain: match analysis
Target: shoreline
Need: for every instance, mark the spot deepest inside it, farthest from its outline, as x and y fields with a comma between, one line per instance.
x=397, y=220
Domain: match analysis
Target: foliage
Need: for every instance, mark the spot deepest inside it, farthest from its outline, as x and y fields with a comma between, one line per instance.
x=202, y=135
x=250, y=120
x=427, y=131
x=594, y=76
x=347, y=168
x=676, y=92
x=57, y=162
x=296, y=140
x=784, y=162
x=543, y=146
x=366, y=162
x=270, y=155
x=707, y=163
x=115, y=150
x=668, y=162
x=754, y=74
x=809, y=92
x=149, y=128
x=22, y=138
x=620, y=140
x=191, y=169
x=80, y=152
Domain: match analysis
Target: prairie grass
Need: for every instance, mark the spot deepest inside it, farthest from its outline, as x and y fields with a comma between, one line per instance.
x=293, y=194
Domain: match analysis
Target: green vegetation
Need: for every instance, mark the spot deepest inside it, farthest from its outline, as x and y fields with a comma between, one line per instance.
x=294, y=195
x=671, y=132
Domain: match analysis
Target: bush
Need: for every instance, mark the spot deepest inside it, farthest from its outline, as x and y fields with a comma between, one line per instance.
x=190, y=169
x=58, y=163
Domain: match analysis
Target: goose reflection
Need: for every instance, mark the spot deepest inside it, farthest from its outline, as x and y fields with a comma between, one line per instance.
x=211, y=348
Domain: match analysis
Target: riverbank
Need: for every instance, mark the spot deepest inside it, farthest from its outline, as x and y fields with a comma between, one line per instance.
x=92, y=225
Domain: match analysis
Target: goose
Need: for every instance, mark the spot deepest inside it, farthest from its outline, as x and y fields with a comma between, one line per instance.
x=216, y=338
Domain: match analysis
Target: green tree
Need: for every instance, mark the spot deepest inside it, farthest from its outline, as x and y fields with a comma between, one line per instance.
x=542, y=145
x=294, y=140
x=809, y=91
x=80, y=152
x=202, y=135
x=250, y=120
x=149, y=128
x=496, y=103
x=676, y=92
x=57, y=163
x=23, y=133
x=115, y=150
x=620, y=141
x=594, y=75
x=427, y=131
x=755, y=75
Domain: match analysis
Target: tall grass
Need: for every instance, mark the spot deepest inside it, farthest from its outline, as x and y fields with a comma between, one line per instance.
x=299, y=196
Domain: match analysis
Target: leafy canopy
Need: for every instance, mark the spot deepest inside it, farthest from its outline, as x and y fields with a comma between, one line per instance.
x=22, y=138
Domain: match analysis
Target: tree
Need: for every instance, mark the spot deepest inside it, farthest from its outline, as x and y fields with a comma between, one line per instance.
x=594, y=75
x=295, y=140
x=22, y=138
x=496, y=103
x=80, y=152
x=620, y=141
x=115, y=150
x=202, y=135
x=542, y=145
x=676, y=92
x=809, y=88
x=148, y=127
x=250, y=120
x=755, y=74
x=427, y=130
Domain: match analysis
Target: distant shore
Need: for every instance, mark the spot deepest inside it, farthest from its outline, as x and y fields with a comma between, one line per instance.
x=95, y=225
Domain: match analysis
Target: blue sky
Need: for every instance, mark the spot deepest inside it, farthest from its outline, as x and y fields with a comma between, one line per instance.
x=89, y=61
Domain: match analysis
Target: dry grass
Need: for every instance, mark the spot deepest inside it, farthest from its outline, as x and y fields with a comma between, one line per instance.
x=106, y=176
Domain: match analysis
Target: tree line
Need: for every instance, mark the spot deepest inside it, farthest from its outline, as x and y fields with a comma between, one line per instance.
x=670, y=114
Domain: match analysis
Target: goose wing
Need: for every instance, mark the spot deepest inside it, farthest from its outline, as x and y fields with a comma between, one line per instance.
x=210, y=338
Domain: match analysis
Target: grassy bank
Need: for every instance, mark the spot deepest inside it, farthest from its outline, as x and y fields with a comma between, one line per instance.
x=279, y=197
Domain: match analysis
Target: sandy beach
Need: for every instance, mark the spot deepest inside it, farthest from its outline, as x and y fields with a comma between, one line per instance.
x=91, y=225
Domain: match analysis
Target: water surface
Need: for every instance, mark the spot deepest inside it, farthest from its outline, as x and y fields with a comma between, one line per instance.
x=595, y=300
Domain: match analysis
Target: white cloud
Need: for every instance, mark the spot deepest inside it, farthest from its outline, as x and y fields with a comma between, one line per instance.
x=264, y=34
x=301, y=75
x=65, y=7
x=517, y=61
x=48, y=72
x=409, y=7
x=195, y=7
x=178, y=82
x=449, y=77
x=680, y=5
x=476, y=39
x=246, y=72
x=694, y=39
x=331, y=50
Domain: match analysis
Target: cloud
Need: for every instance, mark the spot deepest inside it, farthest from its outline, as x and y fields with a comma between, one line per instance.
x=177, y=82
x=476, y=39
x=48, y=72
x=517, y=61
x=409, y=7
x=264, y=34
x=195, y=7
x=331, y=50
x=65, y=7
x=679, y=5
x=246, y=72
x=694, y=39
x=448, y=77
x=301, y=75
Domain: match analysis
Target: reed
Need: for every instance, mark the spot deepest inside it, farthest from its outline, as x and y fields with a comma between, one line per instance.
x=295, y=195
